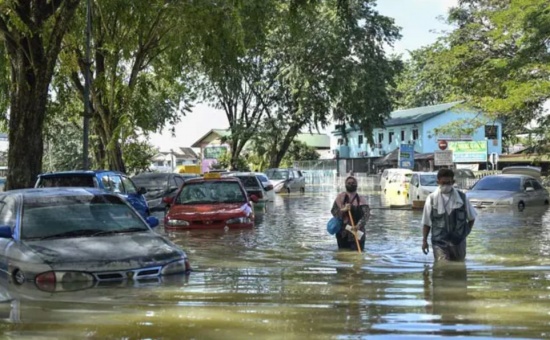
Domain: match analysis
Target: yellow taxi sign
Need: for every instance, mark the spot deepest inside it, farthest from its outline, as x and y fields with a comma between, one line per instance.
x=212, y=175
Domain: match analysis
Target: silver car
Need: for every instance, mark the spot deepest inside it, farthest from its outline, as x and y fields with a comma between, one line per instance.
x=286, y=180
x=508, y=190
x=54, y=237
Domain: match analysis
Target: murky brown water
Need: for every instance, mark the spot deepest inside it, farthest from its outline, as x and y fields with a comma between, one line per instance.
x=286, y=279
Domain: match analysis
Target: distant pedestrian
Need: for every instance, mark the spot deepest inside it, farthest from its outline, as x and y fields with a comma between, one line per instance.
x=450, y=217
x=346, y=201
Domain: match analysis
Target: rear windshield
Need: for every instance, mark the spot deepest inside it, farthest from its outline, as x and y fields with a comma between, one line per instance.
x=428, y=180
x=262, y=178
x=249, y=181
x=277, y=174
x=155, y=181
x=67, y=181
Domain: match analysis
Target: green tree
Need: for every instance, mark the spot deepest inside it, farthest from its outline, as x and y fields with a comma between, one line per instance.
x=32, y=32
x=299, y=151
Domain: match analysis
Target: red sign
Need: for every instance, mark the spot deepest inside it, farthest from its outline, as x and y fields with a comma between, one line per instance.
x=442, y=144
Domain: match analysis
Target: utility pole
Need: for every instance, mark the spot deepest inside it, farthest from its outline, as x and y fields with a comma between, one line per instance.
x=87, y=113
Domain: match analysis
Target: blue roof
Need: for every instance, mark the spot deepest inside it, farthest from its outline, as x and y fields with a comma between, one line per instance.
x=415, y=115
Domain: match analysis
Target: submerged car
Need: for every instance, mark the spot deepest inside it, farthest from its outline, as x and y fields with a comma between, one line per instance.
x=254, y=186
x=211, y=202
x=54, y=237
x=422, y=184
x=286, y=180
x=508, y=190
x=160, y=185
x=112, y=181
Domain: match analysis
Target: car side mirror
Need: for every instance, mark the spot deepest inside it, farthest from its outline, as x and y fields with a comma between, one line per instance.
x=168, y=200
x=142, y=191
x=5, y=232
x=529, y=189
x=152, y=221
x=269, y=187
x=254, y=198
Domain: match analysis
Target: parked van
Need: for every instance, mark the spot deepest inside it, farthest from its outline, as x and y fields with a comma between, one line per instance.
x=388, y=174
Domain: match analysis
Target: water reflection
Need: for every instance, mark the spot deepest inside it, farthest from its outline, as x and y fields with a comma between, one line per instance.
x=285, y=278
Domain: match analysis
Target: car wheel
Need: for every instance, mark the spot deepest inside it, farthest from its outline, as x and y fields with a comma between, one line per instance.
x=521, y=206
x=302, y=190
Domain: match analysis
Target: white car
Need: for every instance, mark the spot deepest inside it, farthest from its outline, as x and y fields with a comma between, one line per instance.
x=388, y=174
x=422, y=184
x=268, y=187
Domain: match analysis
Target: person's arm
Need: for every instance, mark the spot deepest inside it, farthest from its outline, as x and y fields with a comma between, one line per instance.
x=335, y=211
x=366, y=215
x=426, y=222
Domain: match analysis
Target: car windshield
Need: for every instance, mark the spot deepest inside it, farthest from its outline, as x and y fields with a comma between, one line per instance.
x=66, y=181
x=249, y=181
x=211, y=192
x=77, y=215
x=151, y=182
x=428, y=180
x=498, y=183
x=277, y=174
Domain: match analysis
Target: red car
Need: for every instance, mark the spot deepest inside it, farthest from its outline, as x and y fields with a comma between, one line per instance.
x=211, y=202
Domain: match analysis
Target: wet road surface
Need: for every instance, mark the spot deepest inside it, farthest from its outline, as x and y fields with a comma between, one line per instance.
x=286, y=279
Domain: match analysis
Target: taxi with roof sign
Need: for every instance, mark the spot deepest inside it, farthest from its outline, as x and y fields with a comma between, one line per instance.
x=210, y=202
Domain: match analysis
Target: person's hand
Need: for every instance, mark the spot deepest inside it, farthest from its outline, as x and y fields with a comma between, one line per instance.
x=346, y=207
x=425, y=247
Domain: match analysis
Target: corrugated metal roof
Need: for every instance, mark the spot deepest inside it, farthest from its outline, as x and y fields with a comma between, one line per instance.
x=412, y=116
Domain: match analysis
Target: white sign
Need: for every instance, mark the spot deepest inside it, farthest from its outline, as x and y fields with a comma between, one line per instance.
x=443, y=157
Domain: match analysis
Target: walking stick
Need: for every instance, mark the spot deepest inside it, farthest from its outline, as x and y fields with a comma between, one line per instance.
x=354, y=233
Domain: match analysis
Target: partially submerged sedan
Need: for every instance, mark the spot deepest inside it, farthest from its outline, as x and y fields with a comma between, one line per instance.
x=507, y=190
x=54, y=237
x=211, y=202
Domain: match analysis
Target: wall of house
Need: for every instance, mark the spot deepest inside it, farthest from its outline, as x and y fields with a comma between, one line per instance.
x=425, y=142
x=430, y=140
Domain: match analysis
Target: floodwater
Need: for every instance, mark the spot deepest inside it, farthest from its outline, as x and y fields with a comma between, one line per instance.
x=286, y=279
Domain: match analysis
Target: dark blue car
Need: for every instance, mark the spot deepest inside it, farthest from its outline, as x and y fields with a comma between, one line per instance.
x=112, y=181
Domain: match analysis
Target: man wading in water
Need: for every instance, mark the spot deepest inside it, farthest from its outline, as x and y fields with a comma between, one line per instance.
x=450, y=216
x=360, y=211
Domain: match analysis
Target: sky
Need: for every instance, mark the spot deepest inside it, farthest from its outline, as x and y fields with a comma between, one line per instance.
x=419, y=21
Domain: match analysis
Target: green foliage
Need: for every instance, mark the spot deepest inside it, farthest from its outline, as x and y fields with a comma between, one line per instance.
x=299, y=151
x=225, y=162
x=138, y=155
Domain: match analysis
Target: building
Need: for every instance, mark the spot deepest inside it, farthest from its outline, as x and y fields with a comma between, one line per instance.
x=417, y=127
x=167, y=161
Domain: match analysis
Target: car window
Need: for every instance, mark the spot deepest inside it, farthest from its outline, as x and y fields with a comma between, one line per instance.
x=129, y=187
x=8, y=212
x=414, y=180
x=211, y=192
x=249, y=181
x=54, y=215
x=67, y=181
x=428, y=180
x=113, y=183
x=262, y=178
x=151, y=182
x=537, y=185
x=498, y=183
x=178, y=181
x=277, y=174
x=385, y=173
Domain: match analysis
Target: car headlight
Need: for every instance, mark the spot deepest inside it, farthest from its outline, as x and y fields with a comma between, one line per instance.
x=238, y=220
x=180, y=223
x=176, y=267
x=63, y=280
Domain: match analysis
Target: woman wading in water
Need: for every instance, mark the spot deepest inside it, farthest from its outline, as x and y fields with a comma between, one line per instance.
x=346, y=201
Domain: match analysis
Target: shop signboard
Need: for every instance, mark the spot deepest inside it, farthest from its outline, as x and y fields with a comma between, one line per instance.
x=468, y=151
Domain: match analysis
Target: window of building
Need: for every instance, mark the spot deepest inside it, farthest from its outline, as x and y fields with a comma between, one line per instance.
x=491, y=131
x=402, y=135
x=390, y=137
x=415, y=134
x=360, y=140
x=380, y=138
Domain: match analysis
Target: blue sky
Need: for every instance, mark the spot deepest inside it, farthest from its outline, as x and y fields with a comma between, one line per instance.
x=418, y=20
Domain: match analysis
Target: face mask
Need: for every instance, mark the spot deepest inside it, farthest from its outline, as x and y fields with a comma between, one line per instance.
x=351, y=187
x=446, y=188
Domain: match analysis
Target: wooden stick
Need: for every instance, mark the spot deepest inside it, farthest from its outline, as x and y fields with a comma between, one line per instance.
x=355, y=233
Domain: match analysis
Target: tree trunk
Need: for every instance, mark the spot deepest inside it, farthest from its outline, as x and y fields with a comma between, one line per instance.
x=276, y=158
x=27, y=112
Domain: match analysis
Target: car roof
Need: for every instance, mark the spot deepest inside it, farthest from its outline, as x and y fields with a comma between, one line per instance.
x=56, y=191
x=78, y=172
